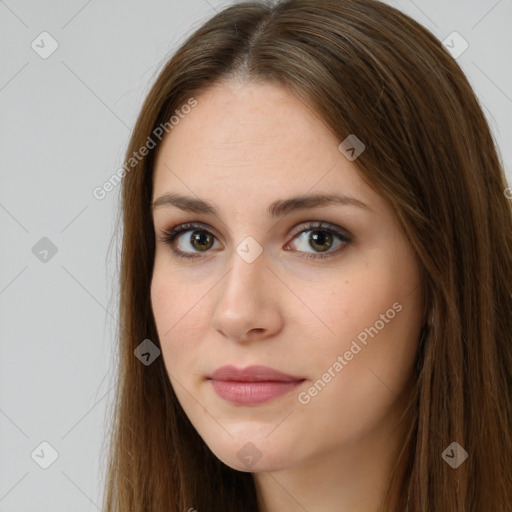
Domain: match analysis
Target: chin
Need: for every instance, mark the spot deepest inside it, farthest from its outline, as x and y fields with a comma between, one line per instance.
x=247, y=454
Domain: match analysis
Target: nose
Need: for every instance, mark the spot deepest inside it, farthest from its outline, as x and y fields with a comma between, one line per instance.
x=247, y=306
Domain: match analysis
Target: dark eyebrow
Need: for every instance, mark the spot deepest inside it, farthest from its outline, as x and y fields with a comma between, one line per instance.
x=276, y=209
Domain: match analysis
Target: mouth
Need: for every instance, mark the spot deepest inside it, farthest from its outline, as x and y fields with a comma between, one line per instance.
x=252, y=393
x=253, y=385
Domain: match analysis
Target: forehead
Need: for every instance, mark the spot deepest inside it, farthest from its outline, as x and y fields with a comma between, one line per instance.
x=243, y=137
x=234, y=121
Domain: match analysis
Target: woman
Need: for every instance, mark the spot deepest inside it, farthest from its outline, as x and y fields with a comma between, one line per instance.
x=316, y=274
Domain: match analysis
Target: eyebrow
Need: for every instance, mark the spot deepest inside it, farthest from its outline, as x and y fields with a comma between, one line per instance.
x=276, y=209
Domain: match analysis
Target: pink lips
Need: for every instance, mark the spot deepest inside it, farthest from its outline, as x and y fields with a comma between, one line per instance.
x=252, y=385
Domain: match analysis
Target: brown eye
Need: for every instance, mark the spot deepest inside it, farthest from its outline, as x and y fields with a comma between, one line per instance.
x=201, y=240
x=316, y=238
x=191, y=239
x=188, y=240
x=320, y=240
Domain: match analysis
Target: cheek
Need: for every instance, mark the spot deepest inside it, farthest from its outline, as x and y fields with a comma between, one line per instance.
x=174, y=298
x=377, y=353
x=177, y=309
x=352, y=303
x=163, y=303
x=371, y=316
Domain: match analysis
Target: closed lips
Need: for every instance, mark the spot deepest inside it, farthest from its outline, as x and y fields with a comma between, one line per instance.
x=252, y=374
x=252, y=386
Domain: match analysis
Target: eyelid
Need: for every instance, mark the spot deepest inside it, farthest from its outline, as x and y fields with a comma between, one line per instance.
x=321, y=225
x=170, y=235
x=343, y=236
x=299, y=228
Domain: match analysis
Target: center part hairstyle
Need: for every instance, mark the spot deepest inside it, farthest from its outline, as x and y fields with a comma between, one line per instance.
x=366, y=69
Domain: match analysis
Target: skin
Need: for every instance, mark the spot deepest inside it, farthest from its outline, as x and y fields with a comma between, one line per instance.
x=244, y=146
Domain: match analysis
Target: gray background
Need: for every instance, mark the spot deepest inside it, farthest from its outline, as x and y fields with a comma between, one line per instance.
x=65, y=124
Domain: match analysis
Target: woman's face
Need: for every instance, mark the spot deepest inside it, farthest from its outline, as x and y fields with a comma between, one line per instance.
x=338, y=307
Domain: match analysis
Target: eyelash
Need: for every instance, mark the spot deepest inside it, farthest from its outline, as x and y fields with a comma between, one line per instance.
x=169, y=236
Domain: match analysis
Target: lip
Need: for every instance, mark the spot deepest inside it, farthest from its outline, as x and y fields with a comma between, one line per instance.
x=252, y=374
x=252, y=385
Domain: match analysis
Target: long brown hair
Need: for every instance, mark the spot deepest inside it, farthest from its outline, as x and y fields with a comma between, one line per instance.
x=367, y=69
